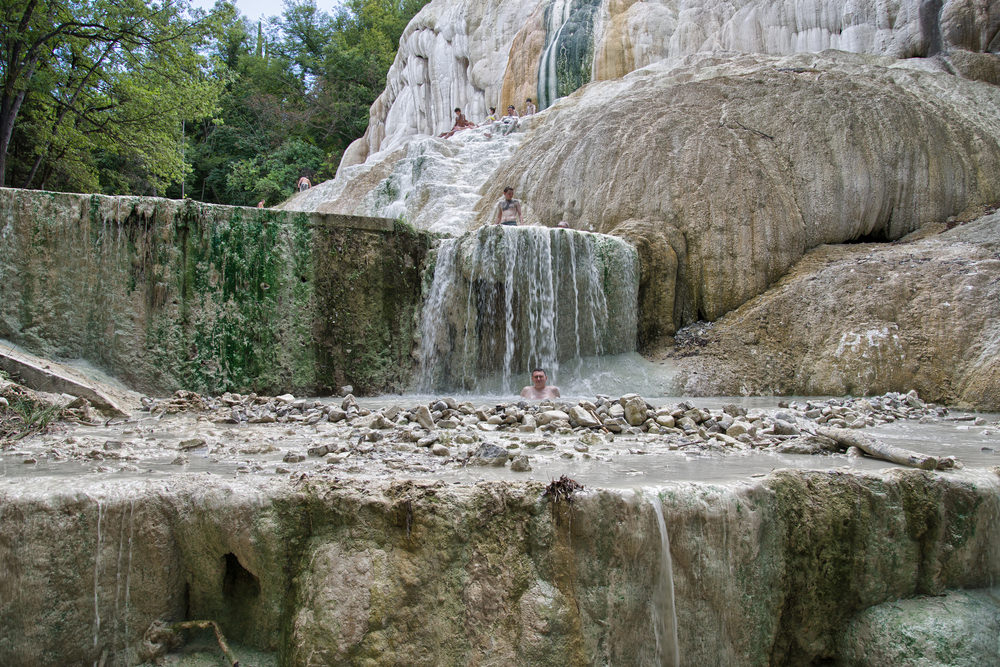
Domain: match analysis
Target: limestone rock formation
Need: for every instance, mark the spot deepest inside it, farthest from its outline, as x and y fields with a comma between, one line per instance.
x=424, y=572
x=475, y=54
x=959, y=629
x=852, y=319
x=727, y=171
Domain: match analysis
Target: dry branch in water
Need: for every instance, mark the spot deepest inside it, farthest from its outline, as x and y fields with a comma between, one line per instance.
x=881, y=450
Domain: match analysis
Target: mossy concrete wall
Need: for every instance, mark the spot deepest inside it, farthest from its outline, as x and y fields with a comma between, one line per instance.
x=331, y=572
x=176, y=294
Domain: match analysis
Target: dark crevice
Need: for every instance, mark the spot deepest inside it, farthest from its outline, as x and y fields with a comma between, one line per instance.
x=876, y=236
x=930, y=26
x=239, y=586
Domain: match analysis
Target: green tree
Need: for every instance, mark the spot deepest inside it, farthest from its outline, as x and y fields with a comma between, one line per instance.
x=273, y=176
x=299, y=86
x=92, y=89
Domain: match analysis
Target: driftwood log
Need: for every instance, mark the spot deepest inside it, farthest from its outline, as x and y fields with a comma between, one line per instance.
x=212, y=625
x=880, y=450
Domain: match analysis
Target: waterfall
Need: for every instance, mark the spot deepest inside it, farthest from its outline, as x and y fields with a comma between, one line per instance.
x=663, y=611
x=507, y=299
x=567, y=59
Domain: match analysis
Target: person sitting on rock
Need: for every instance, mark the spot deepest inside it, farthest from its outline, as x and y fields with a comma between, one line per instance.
x=491, y=118
x=461, y=123
x=509, y=120
x=529, y=107
x=537, y=389
x=508, y=209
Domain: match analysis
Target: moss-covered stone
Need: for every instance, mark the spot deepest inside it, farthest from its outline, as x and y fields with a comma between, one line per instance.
x=169, y=295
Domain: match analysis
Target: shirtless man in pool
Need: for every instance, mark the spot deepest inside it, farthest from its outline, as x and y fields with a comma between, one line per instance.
x=537, y=390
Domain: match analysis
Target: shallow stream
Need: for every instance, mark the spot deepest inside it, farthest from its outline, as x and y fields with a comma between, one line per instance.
x=151, y=447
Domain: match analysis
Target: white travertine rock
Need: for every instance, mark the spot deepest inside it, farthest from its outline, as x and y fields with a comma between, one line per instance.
x=474, y=54
x=452, y=54
x=432, y=183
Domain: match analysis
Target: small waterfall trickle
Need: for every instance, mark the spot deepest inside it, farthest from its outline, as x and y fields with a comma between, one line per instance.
x=112, y=558
x=508, y=299
x=566, y=62
x=663, y=611
x=97, y=575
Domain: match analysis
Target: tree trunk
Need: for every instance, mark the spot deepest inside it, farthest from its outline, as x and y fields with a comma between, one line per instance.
x=880, y=450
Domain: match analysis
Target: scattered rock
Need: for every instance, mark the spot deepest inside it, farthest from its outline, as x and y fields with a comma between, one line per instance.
x=520, y=464
x=423, y=417
x=489, y=455
x=548, y=416
x=318, y=450
x=582, y=417
x=635, y=410
x=184, y=445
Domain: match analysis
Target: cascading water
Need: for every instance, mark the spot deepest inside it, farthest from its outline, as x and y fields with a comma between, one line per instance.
x=567, y=59
x=663, y=607
x=508, y=299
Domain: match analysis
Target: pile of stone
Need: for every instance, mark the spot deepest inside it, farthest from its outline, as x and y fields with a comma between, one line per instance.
x=459, y=431
x=629, y=414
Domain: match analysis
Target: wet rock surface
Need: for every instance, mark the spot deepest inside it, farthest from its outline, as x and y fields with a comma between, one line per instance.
x=321, y=569
x=306, y=436
x=959, y=628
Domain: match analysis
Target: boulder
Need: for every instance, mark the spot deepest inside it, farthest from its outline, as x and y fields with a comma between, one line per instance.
x=580, y=416
x=635, y=410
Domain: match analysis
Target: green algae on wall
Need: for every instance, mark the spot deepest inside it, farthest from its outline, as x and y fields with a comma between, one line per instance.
x=168, y=294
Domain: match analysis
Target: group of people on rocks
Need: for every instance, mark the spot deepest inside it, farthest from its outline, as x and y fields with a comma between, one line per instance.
x=505, y=123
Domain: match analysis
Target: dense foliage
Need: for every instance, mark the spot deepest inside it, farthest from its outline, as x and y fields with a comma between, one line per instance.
x=129, y=97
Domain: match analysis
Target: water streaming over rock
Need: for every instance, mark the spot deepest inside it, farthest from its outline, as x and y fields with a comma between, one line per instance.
x=97, y=575
x=663, y=606
x=567, y=59
x=508, y=299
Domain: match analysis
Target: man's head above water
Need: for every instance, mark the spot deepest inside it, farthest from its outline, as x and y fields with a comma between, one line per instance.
x=538, y=388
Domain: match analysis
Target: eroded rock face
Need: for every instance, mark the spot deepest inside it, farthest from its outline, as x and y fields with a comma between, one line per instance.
x=852, y=319
x=475, y=54
x=960, y=629
x=724, y=173
x=427, y=572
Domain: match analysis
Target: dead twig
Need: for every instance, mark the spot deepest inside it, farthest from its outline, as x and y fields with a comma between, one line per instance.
x=562, y=489
x=206, y=625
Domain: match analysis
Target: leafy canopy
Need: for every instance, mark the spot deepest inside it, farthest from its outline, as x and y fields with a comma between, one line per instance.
x=95, y=92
